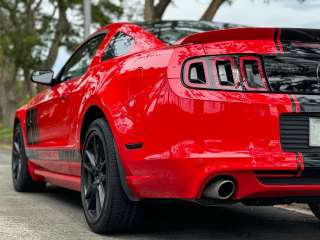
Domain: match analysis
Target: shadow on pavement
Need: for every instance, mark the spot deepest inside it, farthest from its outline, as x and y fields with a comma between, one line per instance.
x=189, y=221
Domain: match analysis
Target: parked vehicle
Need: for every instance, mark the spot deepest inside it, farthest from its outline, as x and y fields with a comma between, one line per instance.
x=176, y=110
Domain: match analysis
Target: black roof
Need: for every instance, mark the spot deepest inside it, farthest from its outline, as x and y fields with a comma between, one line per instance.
x=171, y=31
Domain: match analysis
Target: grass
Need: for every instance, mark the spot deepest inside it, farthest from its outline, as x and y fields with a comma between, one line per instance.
x=5, y=135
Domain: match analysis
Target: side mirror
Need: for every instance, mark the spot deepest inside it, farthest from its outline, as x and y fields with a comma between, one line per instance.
x=44, y=77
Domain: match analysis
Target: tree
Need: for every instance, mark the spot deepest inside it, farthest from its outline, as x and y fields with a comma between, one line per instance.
x=32, y=32
x=212, y=9
x=154, y=11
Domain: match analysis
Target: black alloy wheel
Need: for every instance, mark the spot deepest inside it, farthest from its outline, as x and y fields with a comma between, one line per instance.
x=94, y=175
x=106, y=207
x=16, y=156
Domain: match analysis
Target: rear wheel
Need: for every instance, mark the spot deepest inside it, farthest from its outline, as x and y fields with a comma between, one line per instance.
x=22, y=181
x=107, y=208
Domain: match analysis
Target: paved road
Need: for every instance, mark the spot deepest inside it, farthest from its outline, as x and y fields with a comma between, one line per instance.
x=57, y=214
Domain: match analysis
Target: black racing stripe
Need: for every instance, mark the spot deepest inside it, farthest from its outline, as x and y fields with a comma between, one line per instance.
x=294, y=35
x=299, y=167
x=54, y=155
x=298, y=34
x=275, y=38
x=294, y=105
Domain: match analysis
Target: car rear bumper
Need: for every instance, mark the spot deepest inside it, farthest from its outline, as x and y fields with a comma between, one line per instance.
x=221, y=133
x=187, y=179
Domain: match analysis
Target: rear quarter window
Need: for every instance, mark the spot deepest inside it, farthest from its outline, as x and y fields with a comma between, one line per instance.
x=119, y=45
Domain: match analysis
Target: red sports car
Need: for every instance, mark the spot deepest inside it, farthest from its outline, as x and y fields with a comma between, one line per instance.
x=176, y=110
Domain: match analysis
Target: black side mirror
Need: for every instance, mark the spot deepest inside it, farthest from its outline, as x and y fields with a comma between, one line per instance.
x=44, y=77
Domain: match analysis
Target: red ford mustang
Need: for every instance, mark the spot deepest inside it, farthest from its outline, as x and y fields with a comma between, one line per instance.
x=176, y=110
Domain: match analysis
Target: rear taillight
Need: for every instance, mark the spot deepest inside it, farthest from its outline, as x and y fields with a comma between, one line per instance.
x=252, y=74
x=196, y=74
x=240, y=73
x=225, y=73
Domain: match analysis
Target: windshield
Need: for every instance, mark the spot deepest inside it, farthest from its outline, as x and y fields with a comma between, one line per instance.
x=171, y=31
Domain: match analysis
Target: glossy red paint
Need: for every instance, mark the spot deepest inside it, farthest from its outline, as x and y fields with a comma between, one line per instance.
x=190, y=136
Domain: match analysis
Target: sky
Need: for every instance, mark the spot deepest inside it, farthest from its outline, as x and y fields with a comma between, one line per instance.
x=277, y=13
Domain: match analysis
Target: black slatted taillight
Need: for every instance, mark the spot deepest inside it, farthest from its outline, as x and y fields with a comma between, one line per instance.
x=195, y=73
x=252, y=74
x=225, y=74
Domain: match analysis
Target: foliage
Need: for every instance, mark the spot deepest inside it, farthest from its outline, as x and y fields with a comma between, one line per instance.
x=5, y=135
x=32, y=32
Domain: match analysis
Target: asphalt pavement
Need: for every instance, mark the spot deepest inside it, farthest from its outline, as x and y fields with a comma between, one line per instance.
x=57, y=214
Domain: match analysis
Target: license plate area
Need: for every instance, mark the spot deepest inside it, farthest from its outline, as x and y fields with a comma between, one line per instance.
x=314, y=132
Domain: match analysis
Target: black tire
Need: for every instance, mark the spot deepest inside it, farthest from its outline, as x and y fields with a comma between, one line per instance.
x=22, y=181
x=315, y=208
x=106, y=207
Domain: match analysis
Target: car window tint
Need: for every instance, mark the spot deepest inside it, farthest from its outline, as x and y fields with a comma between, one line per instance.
x=80, y=61
x=119, y=45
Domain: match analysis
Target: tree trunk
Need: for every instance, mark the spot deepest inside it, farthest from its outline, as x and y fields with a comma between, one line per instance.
x=155, y=12
x=8, y=105
x=28, y=88
x=8, y=99
x=212, y=10
x=160, y=8
x=148, y=10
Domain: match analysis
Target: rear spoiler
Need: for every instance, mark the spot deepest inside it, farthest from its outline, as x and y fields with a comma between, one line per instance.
x=278, y=34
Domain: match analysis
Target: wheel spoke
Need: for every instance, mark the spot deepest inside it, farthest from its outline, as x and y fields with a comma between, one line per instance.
x=103, y=179
x=91, y=202
x=88, y=192
x=101, y=194
x=92, y=160
x=89, y=187
x=16, y=147
x=101, y=166
x=15, y=168
x=14, y=165
x=87, y=167
x=19, y=169
x=95, y=148
x=92, y=197
x=98, y=204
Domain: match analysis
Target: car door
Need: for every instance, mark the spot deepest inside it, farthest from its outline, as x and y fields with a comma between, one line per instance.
x=57, y=108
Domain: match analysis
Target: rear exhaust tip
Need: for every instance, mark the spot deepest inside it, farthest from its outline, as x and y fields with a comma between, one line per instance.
x=222, y=189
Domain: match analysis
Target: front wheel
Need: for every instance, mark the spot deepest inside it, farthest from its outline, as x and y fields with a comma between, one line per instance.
x=106, y=207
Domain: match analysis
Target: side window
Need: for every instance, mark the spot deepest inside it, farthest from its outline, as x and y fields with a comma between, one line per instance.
x=119, y=45
x=80, y=61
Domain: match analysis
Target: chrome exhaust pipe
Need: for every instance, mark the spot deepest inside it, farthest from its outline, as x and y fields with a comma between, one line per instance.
x=220, y=189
